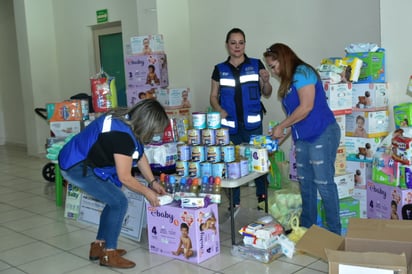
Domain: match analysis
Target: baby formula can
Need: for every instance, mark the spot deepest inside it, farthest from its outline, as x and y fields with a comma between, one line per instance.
x=222, y=136
x=198, y=153
x=183, y=152
x=213, y=120
x=244, y=167
x=213, y=154
x=228, y=153
x=199, y=120
x=205, y=169
x=182, y=168
x=194, y=169
x=193, y=136
x=208, y=136
x=219, y=170
x=233, y=170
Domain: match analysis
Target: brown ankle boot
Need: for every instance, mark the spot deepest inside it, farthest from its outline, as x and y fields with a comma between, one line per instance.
x=96, y=251
x=112, y=259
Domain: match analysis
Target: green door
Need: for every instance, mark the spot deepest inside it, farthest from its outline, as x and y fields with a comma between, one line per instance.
x=111, y=58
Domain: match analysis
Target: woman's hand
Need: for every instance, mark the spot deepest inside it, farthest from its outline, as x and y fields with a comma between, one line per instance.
x=152, y=197
x=158, y=188
x=280, y=134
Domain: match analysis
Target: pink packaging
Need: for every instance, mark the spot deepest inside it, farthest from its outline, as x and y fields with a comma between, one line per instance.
x=170, y=225
x=388, y=202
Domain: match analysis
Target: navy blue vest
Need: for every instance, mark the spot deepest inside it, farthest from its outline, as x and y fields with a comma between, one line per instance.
x=77, y=149
x=249, y=81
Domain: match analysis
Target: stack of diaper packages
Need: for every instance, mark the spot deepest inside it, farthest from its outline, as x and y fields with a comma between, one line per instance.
x=266, y=236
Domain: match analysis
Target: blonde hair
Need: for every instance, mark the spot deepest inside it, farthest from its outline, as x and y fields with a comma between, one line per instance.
x=146, y=119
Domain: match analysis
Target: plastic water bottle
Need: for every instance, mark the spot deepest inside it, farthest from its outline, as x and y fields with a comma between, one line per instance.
x=205, y=184
x=210, y=184
x=188, y=184
x=171, y=185
x=163, y=180
x=217, y=185
x=183, y=183
x=194, y=188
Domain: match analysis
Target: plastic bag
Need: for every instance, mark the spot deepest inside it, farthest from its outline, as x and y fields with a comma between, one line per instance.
x=104, y=94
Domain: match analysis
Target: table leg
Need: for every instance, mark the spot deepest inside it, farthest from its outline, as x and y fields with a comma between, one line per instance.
x=266, y=195
x=232, y=217
x=59, y=185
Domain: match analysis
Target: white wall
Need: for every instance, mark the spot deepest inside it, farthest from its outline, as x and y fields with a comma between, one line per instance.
x=11, y=107
x=396, y=39
x=314, y=29
x=56, y=56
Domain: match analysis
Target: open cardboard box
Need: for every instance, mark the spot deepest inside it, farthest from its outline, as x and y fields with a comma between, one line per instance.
x=369, y=243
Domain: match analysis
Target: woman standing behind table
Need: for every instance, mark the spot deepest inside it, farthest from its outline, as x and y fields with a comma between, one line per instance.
x=237, y=85
x=99, y=161
x=314, y=130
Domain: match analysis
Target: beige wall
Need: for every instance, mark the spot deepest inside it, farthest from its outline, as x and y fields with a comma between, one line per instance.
x=11, y=106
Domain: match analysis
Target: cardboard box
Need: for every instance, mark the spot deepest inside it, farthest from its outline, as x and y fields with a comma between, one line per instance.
x=341, y=120
x=135, y=93
x=367, y=124
x=402, y=114
x=65, y=128
x=361, y=149
x=147, y=44
x=362, y=172
x=370, y=96
x=373, y=66
x=388, y=202
x=142, y=70
x=134, y=221
x=339, y=97
x=174, y=98
x=345, y=185
x=165, y=225
x=347, y=262
x=368, y=243
x=360, y=195
x=340, y=162
x=348, y=208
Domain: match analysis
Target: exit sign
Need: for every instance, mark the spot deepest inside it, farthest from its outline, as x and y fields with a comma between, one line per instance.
x=102, y=16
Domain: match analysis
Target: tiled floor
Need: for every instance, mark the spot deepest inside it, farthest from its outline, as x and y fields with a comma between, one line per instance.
x=35, y=238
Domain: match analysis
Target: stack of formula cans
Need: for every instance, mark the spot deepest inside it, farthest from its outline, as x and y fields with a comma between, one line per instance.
x=208, y=151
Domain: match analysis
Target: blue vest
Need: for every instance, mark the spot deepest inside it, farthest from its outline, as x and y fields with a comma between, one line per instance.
x=249, y=81
x=77, y=149
x=318, y=119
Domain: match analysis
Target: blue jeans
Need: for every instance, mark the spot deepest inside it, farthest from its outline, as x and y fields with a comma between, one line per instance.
x=243, y=136
x=315, y=163
x=112, y=216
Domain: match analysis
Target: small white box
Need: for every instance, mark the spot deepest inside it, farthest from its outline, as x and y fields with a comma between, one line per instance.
x=367, y=124
x=361, y=149
x=339, y=97
x=65, y=128
x=172, y=98
x=362, y=172
x=147, y=44
x=370, y=96
x=360, y=195
x=341, y=120
x=345, y=184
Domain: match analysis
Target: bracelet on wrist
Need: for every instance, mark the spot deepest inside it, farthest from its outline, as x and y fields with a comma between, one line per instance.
x=151, y=182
